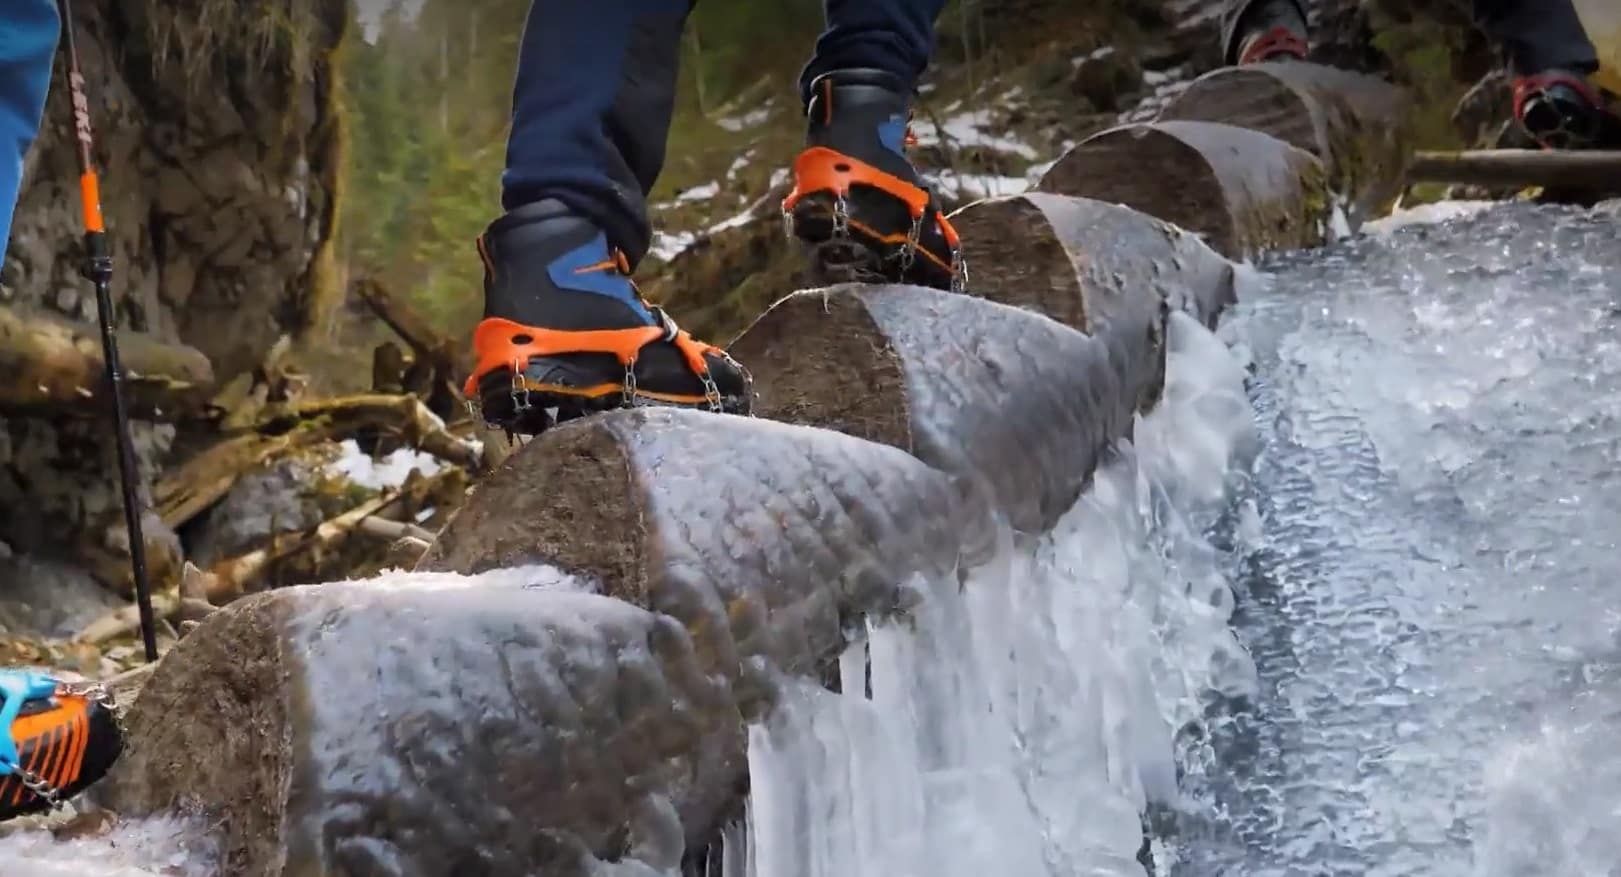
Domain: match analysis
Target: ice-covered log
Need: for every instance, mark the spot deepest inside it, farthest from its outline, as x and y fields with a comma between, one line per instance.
x=435, y=727
x=1011, y=399
x=1089, y=264
x=364, y=728
x=1358, y=125
x=1243, y=191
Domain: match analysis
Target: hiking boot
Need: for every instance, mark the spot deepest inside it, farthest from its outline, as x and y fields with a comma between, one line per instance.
x=857, y=201
x=1562, y=110
x=1268, y=30
x=566, y=333
x=55, y=740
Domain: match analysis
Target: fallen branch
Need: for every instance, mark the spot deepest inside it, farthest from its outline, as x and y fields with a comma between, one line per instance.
x=192, y=488
x=440, y=353
x=1595, y=171
x=383, y=528
x=406, y=552
x=125, y=620
x=239, y=575
x=417, y=425
x=53, y=364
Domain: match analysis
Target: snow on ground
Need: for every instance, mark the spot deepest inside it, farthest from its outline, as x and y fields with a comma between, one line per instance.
x=750, y=119
x=962, y=186
x=667, y=246
x=739, y=163
x=699, y=193
x=390, y=471
x=968, y=129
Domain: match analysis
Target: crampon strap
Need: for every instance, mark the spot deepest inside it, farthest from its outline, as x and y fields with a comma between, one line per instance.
x=17, y=687
x=504, y=344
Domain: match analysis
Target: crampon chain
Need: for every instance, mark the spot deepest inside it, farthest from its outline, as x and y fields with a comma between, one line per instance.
x=908, y=253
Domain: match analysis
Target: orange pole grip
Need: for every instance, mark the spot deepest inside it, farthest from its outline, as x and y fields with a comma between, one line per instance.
x=90, y=198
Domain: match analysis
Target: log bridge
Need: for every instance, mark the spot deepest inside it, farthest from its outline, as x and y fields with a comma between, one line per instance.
x=518, y=724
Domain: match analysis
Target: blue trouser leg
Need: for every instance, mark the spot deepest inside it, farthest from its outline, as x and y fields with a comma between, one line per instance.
x=591, y=109
x=596, y=88
x=895, y=36
x=28, y=32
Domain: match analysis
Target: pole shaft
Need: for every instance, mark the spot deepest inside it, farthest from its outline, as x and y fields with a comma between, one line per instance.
x=98, y=268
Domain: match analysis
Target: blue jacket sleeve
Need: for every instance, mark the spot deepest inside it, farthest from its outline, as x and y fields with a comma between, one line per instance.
x=28, y=34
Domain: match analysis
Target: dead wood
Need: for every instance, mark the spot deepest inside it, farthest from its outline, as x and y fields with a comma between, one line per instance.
x=51, y=364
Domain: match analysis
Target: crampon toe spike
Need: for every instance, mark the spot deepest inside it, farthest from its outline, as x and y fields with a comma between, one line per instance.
x=862, y=223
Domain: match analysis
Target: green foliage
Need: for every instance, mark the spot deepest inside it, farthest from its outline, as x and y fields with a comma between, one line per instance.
x=429, y=103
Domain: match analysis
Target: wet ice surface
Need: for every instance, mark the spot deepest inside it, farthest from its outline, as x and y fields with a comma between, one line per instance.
x=146, y=848
x=1428, y=566
x=1425, y=554
x=1020, y=723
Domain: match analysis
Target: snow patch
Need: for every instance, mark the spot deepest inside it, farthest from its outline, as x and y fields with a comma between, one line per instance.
x=391, y=471
x=667, y=246
x=971, y=128
x=750, y=119
x=739, y=163
x=699, y=193
x=975, y=186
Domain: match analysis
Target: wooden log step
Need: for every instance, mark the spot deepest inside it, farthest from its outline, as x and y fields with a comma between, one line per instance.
x=1357, y=125
x=377, y=723
x=1088, y=263
x=1242, y=191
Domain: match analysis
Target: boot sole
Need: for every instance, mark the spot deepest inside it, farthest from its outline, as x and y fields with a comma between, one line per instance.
x=535, y=406
x=860, y=256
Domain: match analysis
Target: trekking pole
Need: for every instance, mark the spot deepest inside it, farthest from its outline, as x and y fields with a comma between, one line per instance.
x=98, y=268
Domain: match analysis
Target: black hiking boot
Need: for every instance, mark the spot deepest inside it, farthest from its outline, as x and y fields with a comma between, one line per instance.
x=857, y=200
x=1562, y=110
x=566, y=333
x=56, y=739
x=1267, y=30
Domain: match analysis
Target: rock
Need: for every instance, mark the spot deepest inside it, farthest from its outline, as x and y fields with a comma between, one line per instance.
x=278, y=499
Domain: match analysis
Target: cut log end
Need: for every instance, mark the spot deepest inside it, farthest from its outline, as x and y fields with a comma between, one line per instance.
x=1242, y=191
x=1150, y=170
x=1357, y=125
x=1087, y=263
x=582, y=471
x=1013, y=254
x=247, y=768
x=819, y=359
x=1259, y=97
